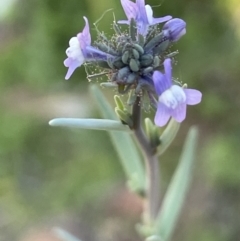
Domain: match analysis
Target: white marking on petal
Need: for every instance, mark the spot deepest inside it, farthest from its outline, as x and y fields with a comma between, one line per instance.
x=178, y=93
x=149, y=13
x=168, y=99
x=73, y=42
x=173, y=97
x=74, y=51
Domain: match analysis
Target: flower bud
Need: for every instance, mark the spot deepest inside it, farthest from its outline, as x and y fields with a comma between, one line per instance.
x=161, y=48
x=131, y=78
x=135, y=54
x=155, y=41
x=134, y=65
x=138, y=48
x=124, y=116
x=174, y=29
x=146, y=60
x=147, y=70
x=125, y=57
x=152, y=133
x=123, y=72
x=156, y=62
x=117, y=63
x=119, y=102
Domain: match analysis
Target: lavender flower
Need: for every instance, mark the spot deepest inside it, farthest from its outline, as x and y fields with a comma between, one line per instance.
x=174, y=29
x=80, y=51
x=173, y=99
x=77, y=51
x=142, y=14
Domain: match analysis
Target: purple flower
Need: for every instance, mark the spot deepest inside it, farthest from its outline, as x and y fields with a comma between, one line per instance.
x=77, y=51
x=142, y=14
x=174, y=29
x=173, y=99
x=80, y=51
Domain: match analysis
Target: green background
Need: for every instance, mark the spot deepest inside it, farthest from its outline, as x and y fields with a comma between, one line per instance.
x=73, y=178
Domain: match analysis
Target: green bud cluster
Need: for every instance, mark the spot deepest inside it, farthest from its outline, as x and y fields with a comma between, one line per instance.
x=133, y=58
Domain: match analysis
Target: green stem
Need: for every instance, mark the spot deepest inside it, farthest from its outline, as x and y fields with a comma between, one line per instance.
x=151, y=162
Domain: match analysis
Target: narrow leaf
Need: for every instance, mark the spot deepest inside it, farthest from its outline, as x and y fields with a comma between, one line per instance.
x=177, y=190
x=168, y=136
x=94, y=124
x=123, y=143
x=64, y=235
x=118, y=102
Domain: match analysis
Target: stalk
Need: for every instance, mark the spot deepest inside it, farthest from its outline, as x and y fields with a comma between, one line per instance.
x=152, y=166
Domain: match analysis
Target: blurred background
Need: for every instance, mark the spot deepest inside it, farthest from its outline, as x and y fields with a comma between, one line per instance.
x=73, y=178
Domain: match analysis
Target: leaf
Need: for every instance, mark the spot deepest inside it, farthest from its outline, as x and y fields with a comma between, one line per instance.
x=124, y=145
x=177, y=190
x=64, y=235
x=168, y=136
x=94, y=124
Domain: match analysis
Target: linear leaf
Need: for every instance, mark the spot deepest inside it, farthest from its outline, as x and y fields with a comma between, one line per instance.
x=168, y=136
x=177, y=190
x=64, y=235
x=95, y=124
x=123, y=143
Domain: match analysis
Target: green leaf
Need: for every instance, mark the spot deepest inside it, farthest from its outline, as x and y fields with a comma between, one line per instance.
x=119, y=102
x=64, y=235
x=94, y=124
x=177, y=190
x=168, y=136
x=124, y=145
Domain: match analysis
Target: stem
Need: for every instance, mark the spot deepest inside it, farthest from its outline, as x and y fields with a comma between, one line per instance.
x=151, y=162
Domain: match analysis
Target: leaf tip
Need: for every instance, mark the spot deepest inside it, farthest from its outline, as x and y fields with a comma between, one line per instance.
x=52, y=122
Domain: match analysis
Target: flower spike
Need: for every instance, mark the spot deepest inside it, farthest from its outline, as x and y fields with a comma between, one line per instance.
x=129, y=59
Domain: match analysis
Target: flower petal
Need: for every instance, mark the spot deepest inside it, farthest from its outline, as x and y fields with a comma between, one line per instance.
x=149, y=13
x=160, y=82
x=162, y=115
x=174, y=29
x=179, y=114
x=95, y=54
x=151, y=19
x=72, y=65
x=85, y=37
x=168, y=70
x=142, y=14
x=141, y=17
x=86, y=32
x=161, y=20
x=73, y=41
x=92, y=50
x=129, y=8
x=193, y=96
